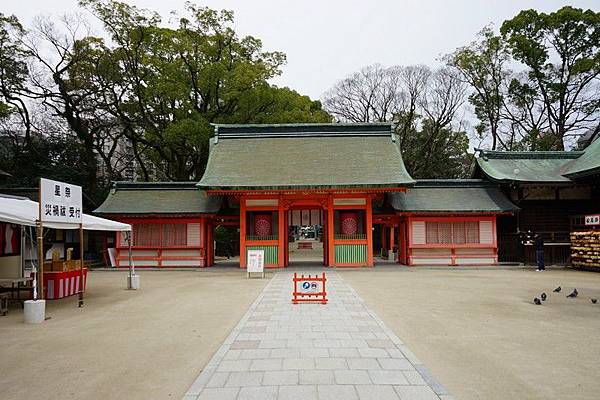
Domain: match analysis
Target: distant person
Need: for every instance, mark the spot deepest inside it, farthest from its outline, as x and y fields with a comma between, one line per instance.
x=538, y=244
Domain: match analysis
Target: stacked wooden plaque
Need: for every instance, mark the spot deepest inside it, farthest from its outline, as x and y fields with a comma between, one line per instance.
x=585, y=249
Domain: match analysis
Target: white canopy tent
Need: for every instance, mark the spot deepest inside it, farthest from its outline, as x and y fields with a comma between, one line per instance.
x=22, y=211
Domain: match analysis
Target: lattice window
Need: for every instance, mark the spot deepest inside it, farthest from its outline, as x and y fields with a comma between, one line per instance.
x=472, y=229
x=460, y=232
x=146, y=235
x=431, y=232
x=445, y=232
x=174, y=234
x=159, y=235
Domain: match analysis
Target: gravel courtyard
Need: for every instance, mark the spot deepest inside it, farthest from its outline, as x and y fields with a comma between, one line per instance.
x=477, y=331
x=481, y=336
x=149, y=344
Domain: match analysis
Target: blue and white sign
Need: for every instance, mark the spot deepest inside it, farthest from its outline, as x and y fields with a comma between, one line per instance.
x=309, y=287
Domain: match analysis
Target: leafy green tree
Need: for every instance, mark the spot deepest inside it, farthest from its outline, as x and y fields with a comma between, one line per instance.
x=179, y=81
x=13, y=72
x=482, y=65
x=562, y=53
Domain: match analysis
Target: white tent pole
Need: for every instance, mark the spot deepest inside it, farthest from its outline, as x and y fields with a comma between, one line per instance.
x=131, y=266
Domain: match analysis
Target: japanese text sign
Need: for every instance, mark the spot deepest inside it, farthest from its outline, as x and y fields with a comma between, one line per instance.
x=60, y=202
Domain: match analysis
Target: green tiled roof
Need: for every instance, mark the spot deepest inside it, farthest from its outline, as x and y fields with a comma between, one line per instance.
x=459, y=196
x=588, y=163
x=128, y=198
x=302, y=156
x=527, y=166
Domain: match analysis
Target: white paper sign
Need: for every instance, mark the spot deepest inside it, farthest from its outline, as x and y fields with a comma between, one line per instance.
x=256, y=261
x=61, y=202
x=592, y=219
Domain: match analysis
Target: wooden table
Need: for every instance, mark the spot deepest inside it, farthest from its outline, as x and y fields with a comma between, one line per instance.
x=20, y=284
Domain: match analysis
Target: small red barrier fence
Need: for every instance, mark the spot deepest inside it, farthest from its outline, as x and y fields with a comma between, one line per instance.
x=309, y=289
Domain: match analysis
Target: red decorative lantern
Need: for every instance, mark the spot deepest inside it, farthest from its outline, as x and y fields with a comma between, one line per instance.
x=349, y=223
x=263, y=225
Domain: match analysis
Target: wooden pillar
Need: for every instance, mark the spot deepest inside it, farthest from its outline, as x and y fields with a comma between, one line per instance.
x=281, y=234
x=242, y=232
x=204, y=241
x=330, y=233
x=392, y=238
x=324, y=238
x=211, y=243
x=383, y=237
x=369, y=232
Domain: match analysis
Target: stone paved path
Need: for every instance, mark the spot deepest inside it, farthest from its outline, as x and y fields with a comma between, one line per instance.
x=338, y=351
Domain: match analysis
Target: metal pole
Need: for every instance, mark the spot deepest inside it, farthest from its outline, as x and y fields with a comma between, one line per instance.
x=40, y=240
x=81, y=264
x=131, y=267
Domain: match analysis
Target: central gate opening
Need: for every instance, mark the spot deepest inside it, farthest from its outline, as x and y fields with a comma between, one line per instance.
x=305, y=236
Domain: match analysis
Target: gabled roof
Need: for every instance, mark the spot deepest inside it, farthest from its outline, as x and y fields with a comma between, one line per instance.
x=526, y=166
x=131, y=198
x=304, y=156
x=587, y=164
x=459, y=196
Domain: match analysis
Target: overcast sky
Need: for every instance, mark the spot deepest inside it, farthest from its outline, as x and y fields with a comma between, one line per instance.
x=325, y=40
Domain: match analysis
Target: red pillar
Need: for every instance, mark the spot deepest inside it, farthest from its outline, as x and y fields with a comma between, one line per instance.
x=204, y=241
x=281, y=234
x=330, y=232
x=242, y=232
x=369, y=229
x=392, y=238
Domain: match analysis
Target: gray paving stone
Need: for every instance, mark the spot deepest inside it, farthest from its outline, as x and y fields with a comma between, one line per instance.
x=380, y=343
x=298, y=363
x=388, y=377
x=244, y=344
x=341, y=351
x=219, y=394
x=363, y=363
x=315, y=352
x=258, y=393
x=218, y=379
x=373, y=353
x=267, y=364
x=304, y=392
x=279, y=378
x=376, y=392
x=414, y=378
x=337, y=392
x=237, y=379
x=254, y=354
x=234, y=365
x=344, y=352
x=416, y=393
x=314, y=377
x=395, y=363
x=330, y=363
x=232, y=355
x=352, y=377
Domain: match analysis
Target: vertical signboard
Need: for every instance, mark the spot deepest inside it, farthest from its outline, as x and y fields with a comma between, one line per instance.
x=256, y=262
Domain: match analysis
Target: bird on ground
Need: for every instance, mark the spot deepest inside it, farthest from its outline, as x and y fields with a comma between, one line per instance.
x=557, y=290
x=543, y=296
x=537, y=301
x=594, y=301
x=573, y=294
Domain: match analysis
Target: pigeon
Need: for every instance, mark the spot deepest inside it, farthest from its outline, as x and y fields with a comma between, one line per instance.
x=594, y=301
x=573, y=294
x=537, y=301
x=557, y=290
x=543, y=296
